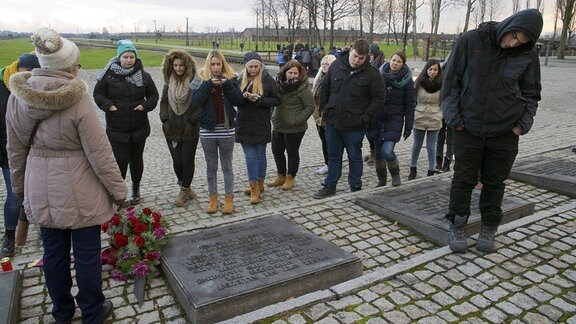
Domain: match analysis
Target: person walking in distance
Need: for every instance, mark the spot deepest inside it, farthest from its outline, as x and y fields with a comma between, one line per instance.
x=63, y=166
x=490, y=96
x=350, y=95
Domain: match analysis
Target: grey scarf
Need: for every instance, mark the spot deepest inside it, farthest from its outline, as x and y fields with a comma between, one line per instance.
x=179, y=95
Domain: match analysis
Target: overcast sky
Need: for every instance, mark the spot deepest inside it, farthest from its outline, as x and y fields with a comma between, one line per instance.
x=127, y=15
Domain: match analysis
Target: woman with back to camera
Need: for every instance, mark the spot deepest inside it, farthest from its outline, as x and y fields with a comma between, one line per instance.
x=127, y=93
x=290, y=121
x=180, y=119
x=215, y=93
x=397, y=113
x=428, y=115
x=320, y=124
x=253, y=129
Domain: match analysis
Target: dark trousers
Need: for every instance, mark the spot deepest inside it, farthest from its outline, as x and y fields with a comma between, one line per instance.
x=289, y=143
x=88, y=266
x=183, y=157
x=322, y=133
x=445, y=135
x=130, y=153
x=491, y=157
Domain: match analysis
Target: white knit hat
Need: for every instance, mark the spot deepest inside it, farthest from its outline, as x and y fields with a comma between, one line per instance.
x=55, y=52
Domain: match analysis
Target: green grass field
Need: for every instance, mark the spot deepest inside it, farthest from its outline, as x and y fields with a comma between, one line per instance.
x=90, y=57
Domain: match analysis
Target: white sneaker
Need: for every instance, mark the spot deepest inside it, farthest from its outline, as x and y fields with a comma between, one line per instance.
x=322, y=170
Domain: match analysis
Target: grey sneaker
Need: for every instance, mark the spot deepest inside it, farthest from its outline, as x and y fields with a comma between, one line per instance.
x=486, y=237
x=325, y=192
x=458, y=241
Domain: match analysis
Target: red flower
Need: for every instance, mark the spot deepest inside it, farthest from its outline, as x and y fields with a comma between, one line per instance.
x=147, y=211
x=120, y=240
x=115, y=220
x=156, y=216
x=139, y=241
x=149, y=256
x=134, y=221
x=140, y=228
x=156, y=225
x=105, y=227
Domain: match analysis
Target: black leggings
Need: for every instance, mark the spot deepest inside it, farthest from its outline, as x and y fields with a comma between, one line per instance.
x=130, y=153
x=289, y=143
x=183, y=156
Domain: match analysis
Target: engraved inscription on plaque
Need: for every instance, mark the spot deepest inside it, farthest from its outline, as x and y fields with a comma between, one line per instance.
x=556, y=174
x=265, y=260
x=423, y=207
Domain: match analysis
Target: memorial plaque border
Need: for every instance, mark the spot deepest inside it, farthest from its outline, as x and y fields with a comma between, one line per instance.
x=12, y=285
x=563, y=184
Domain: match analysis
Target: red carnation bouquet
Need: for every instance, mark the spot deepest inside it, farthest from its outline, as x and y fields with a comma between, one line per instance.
x=136, y=238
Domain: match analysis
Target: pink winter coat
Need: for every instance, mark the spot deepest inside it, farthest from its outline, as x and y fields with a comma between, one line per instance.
x=69, y=176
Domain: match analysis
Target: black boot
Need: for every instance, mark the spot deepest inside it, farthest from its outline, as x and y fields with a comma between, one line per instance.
x=381, y=172
x=446, y=166
x=413, y=173
x=8, y=243
x=394, y=168
x=430, y=173
x=438, y=163
x=135, y=194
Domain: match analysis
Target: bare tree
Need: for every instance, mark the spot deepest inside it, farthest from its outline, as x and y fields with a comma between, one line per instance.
x=336, y=10
x=493, y=7
x=413, y=8
x=515, y=6
x=374, y=10
x=566, y=9
x=314, y=9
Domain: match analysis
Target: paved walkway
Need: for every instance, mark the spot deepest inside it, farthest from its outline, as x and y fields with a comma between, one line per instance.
x=531, y=278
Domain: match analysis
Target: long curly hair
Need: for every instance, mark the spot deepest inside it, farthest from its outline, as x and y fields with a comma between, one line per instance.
x=168, y=62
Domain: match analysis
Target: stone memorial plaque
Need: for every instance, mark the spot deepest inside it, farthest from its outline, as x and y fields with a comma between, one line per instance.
x=9, y=296
x=422, y=207
x=555, y=174
x=223, y=272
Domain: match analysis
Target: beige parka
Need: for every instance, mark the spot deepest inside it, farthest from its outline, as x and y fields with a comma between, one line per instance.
x=69, y=177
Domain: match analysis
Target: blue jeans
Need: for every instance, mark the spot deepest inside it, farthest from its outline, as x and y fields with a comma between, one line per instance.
x=255, y=161
x=337, y=141
x=88, y=266
x=388, y=151
x=431, y=138
x=12, y=203
x=491, y=158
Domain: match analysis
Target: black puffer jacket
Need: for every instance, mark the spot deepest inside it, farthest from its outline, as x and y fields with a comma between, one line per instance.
x=126, y=123
x=490, y=90
x=398, y=111
x=4, y=94
x=350, y=98
x=253, y=120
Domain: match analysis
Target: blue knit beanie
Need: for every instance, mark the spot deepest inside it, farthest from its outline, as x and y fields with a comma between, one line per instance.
x=29, y=61
x=126, y=45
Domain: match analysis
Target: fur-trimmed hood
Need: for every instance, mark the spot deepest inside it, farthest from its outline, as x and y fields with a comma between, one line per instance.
x=44, y=91
x=169, y=58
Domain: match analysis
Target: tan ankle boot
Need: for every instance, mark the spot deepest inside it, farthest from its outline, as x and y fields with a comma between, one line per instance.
x=289, y=183
x=182, y=197
x=213, y=206
x=261, y=185
x=278, y=181
x=254, y=192
x=228, y=204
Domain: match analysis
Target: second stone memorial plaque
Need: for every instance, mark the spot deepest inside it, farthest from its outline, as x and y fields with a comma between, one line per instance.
x=223, y=272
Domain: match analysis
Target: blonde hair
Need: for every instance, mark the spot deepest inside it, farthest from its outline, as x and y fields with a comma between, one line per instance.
x=206, y=72
x=257, y=87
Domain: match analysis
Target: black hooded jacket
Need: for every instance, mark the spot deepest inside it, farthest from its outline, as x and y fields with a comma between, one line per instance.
x=350, y=98
x=490, y=90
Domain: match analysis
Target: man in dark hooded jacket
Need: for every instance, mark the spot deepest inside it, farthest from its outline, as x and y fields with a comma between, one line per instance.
x=490, y=96
x=350, y=95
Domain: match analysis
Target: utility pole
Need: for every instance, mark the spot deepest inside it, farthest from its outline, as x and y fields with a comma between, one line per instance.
x=257, y=31
x=187, y=41
x=155, y=31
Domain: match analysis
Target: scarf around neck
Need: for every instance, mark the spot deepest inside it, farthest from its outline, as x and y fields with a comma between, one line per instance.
x=179, y=94
x=133, y=75
x=285, y=86
x=397, y=80
x=431, y=85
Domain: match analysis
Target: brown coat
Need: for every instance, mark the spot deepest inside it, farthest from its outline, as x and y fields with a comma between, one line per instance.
x=69, y=176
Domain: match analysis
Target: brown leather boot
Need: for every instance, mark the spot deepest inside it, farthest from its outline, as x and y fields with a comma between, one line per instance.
x=278, y=181
x=228, y=204
x=213, y=206
x=289, y=183
x=254, y=192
